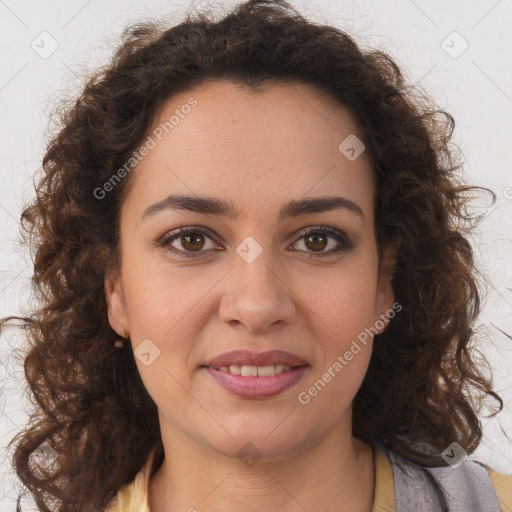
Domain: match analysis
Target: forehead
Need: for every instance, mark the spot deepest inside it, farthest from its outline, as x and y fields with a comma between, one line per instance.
x=221, y=139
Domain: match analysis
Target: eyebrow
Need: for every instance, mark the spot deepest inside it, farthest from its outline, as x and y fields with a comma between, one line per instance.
x=213, y=206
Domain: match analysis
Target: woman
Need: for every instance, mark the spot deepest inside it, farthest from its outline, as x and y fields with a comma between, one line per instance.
x=257, y=285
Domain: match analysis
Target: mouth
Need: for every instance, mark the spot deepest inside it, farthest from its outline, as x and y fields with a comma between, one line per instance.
x=275, y=361
x=256, y=376
x=255, y=371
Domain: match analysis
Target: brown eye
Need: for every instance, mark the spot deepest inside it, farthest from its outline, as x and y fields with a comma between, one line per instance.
x=189, y=242
x=316, y=240
x=192, y=242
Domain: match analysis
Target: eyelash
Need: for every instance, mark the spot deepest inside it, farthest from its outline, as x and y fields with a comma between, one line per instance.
x=340, y=237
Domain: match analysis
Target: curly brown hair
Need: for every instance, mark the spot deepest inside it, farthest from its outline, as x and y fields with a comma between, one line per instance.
x=91, y=406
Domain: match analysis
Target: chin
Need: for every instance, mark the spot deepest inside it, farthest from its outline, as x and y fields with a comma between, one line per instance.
x=270, y=441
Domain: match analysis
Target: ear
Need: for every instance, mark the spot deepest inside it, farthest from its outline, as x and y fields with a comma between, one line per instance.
x=116, y=304
x=385, y=306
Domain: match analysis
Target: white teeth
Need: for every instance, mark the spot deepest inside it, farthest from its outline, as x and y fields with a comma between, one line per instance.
x=249, y=371
x=265, y=371
x=252, y=371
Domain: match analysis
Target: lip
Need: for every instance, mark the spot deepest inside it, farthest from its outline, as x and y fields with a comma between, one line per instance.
x=249, y=358
x=256, y=387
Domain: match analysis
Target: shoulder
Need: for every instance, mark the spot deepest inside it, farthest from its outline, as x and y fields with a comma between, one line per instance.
x=133, y=497
x=502, y=484
x=469, y=486
x=129, y=498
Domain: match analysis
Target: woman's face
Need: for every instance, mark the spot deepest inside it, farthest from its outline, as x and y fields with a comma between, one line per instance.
x=255, y=281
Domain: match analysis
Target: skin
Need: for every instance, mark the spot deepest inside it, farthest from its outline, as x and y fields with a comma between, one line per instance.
x=258, y=151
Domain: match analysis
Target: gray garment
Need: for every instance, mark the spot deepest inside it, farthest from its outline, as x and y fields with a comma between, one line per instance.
x=467, y=488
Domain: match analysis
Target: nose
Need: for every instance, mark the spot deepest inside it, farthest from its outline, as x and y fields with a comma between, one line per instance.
x=257, y=296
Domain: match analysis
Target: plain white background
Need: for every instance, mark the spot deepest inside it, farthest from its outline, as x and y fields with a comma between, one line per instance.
x=458, y=51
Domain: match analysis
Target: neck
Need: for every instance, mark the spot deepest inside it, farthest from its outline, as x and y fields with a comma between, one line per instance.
x=330, y=476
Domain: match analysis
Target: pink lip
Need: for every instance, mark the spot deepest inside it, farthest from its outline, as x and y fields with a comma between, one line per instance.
x=256, y=387
x=248, y=358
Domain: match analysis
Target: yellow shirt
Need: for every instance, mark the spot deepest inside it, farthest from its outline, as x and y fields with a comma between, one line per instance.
x=133, y=497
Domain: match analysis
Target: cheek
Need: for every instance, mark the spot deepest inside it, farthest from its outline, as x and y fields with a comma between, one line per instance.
x=163, y=307
x=341, y=315
x=167, y=302
x=343, y=302
x=160, y=298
